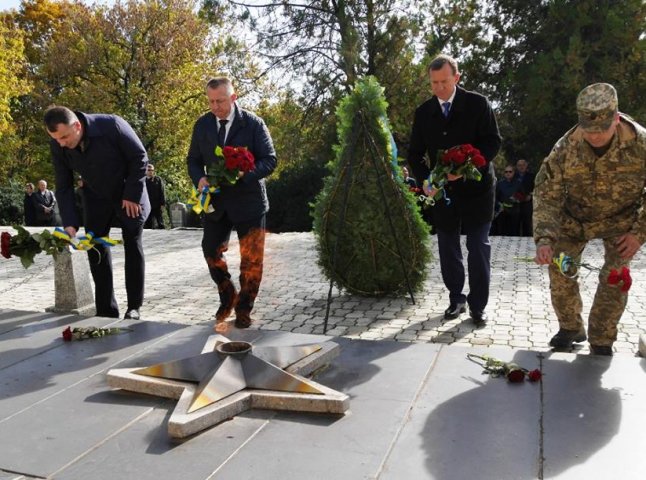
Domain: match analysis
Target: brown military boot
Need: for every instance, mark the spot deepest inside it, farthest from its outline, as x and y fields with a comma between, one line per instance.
x=601, y=350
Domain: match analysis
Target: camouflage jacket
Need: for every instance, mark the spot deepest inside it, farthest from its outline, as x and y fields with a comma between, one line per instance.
x=580, y=195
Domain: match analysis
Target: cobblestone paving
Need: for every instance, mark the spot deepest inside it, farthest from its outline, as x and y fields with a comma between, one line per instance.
x=293, y=294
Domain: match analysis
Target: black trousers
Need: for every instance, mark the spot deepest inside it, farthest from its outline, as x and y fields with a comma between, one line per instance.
x=155, y=219
x=99, y=217
x=215, y=242
x=478, y=260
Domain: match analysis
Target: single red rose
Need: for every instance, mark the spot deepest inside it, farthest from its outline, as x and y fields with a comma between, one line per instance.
x=5, y=245
x=515, y=375
x=478, y=160
x=626, y=279
x=67, y=334
x=535, y=375
x=613, y=277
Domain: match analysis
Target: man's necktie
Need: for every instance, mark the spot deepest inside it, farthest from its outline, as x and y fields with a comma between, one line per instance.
x=222, y=132
x=446, y=106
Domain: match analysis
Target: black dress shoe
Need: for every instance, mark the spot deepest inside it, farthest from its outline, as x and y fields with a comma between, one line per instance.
x=132, y=314
x=479, y=318
x=601, y=350
x=454, y=311
x=565, y=338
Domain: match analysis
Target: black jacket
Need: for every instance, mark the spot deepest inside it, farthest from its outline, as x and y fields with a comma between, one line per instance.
x=471, y=121
x=247, y=198
x=112, y=163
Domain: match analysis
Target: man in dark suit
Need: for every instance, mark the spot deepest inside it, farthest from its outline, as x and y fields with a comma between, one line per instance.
x=28, y=205
x=242, y=205
x=454, y=116
x=44, y=202
x=526, y=180
x=107, y=153
x=157, y=197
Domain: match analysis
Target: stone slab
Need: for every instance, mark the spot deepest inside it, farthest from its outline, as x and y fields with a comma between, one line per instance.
x=418, y=411
x=595, y=417
x=467, y=424
x=13, y=319
x=381, y=378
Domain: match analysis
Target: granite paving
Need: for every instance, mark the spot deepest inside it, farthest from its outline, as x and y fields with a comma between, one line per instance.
x=293, y=294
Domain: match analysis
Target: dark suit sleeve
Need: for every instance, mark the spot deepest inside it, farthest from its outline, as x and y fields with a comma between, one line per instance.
x=135, y=156
x=194, y=159
x=417, y=148
x=64, y=188
x=489, y=139
x=263, y=152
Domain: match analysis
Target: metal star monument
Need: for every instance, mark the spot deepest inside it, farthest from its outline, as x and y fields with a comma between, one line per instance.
x=229, y=377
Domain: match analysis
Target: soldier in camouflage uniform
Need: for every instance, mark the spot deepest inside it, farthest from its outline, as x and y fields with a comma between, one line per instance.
x=592, y=186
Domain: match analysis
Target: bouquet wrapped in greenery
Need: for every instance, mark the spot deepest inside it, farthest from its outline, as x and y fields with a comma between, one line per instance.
x=459, y=161
x=27, y=245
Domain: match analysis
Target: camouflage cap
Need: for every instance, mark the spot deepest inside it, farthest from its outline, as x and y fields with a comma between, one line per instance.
x=596, y=106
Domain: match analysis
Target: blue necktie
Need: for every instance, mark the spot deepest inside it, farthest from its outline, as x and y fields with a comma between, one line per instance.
x=222, y=132
x=446, y=106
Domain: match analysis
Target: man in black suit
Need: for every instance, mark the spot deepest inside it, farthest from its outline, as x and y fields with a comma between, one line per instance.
x=157, y=197
x=242, y=205
x=526, y=180
x=44, y=202
x=107, y=153
x=454, y=116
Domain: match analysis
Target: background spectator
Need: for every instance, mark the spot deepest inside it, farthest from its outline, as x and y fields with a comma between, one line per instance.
x=525, y=196
x=155, y=187
x=44, y=202
x=28, y=205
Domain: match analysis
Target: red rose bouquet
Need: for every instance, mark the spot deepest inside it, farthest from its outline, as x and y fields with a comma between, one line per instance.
x=27, y=245
x=234, y=162
x=461, y=160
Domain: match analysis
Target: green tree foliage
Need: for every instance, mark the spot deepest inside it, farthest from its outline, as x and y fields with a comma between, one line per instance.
x=371, y=237
x=12, y=86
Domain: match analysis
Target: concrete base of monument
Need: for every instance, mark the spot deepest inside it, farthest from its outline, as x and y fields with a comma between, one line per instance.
x=183, y=422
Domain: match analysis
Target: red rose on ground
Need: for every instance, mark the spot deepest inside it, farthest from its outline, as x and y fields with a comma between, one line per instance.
x=67, y=334
x=515, y=375
x=535, y=375
x=5, y=245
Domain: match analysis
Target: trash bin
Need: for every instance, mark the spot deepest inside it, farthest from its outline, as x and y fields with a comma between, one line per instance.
x=178, y=215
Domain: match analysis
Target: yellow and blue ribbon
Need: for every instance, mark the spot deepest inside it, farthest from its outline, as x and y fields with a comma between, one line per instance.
x=85, y=242
x=200, y=201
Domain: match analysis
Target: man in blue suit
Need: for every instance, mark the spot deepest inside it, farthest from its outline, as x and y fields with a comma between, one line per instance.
x=455, y=116
x=242, y=205
x=107, y=153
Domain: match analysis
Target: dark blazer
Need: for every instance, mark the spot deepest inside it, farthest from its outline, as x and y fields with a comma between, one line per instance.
x=110, y=158
x=247, y=198
x=156, y=191
x=40, y=200
x=471, y=121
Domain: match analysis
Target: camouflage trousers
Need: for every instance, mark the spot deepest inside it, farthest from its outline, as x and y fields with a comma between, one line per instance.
x=609, y=301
